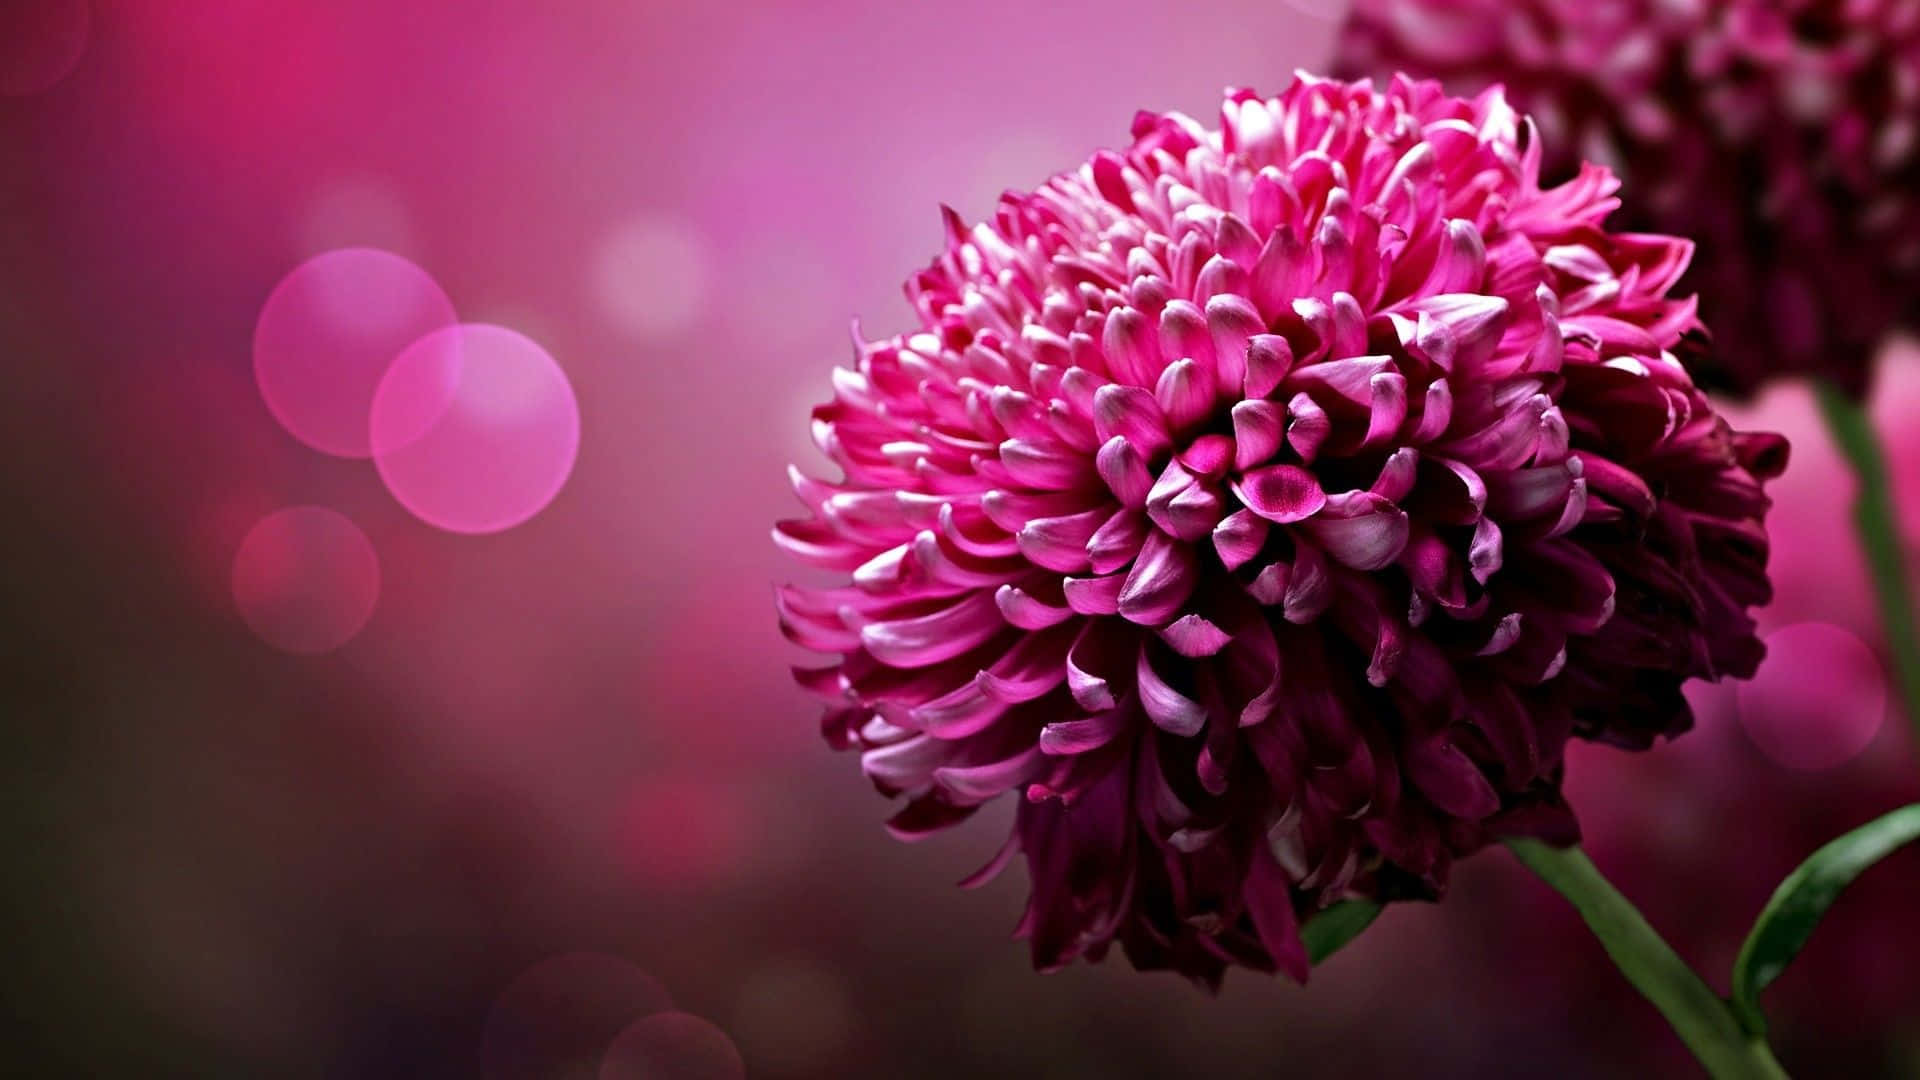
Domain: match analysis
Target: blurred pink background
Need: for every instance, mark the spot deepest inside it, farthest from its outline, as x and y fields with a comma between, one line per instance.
x=577, y=735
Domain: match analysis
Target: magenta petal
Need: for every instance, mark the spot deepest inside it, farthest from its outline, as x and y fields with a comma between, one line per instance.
x=993, y=867
x=1168, y=708
x=1184, y=335
x=1282, y=494
x=1485, y=553
x=828, y=682
x=1161, y=580
x=1360, y=529
x=967, y=710
x=1044, y=466
x=1307, y=426
x=1474, y=321
x=1124, y=471
x=1061, y=543
x=1505, y=633
x=1269, y=586
x=1097, y=660
x=1309, y=586
x=1350, y=378
x=1436, y=414
x=817, y=544
x=929, y=639
x=1233, y=322
x=1397, y=476
x=1208, y=456
x=923, y=817
x=1268, y=894
x=1094, y=596
x=1029, y=670
x=1132, y=413
x=1190, y=515
x=975, y=784
x=1132, y=345
x=1194, y=637
x=1068, y=737
x=1117, y=542
x=1185, y=394
x=1239, y=537
x=1446, y=776
x=1518, y=494
x=1269, y=359
x=905, y=765
x=1259, y=427
x=1389, y=407
x=1020, y=608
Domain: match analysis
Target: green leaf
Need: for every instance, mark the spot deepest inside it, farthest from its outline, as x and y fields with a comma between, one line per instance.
x=1331, y=929
x=1803, y=898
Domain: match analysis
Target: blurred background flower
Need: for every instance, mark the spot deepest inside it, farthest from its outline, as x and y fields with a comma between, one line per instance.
x=1783, y=135
x=575, y=736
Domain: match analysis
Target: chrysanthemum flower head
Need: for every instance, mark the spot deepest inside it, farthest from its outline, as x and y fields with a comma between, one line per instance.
x=1264, y=508
x=1784, y=135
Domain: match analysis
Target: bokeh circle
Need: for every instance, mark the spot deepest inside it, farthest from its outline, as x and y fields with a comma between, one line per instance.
x=306, y=579
x=327, y=335
x=673, y=1046
x=559, y=1016
x=651, y=276
x=41, y=42
x=475, y=428
x=1818, y=700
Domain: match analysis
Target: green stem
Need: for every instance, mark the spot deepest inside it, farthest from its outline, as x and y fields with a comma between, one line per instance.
x=1701, y=1018
x=1873, y=520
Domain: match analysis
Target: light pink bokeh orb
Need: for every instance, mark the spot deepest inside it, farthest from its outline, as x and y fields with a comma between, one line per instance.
x=475, y=428
x=306, y=579
x=673, y=1046
x=559, y=1016
x=327, y=335
x=41, y=42
x=1818, y=700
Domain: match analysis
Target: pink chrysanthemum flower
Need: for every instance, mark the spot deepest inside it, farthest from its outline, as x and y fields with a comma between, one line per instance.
x=1266, y=507
x=1784, y=135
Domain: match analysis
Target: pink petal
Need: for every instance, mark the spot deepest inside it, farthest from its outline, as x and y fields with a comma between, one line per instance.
x=1132, y=413
x=1446, y=776
x=1124, y=471
x=1029, y=670
x=1308, y=426
x=929, y=639
x=1194, y=637
x=1233, y=322
x=1117, y=542
x=1239, y=537
x=1132, y=346
x=1282, y=494
x=1168, y=708
x=1094, y=596
x=1397, y=476
x=1259, y=427
x=1310, y=586
x=1070, y=737
x=1184, y=334
x=1360, y=529
x=1269, y=360
x=1095, y=664
x=1021, y=609
x=975, y=784
x=1160, y=582
x=1185, y=395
